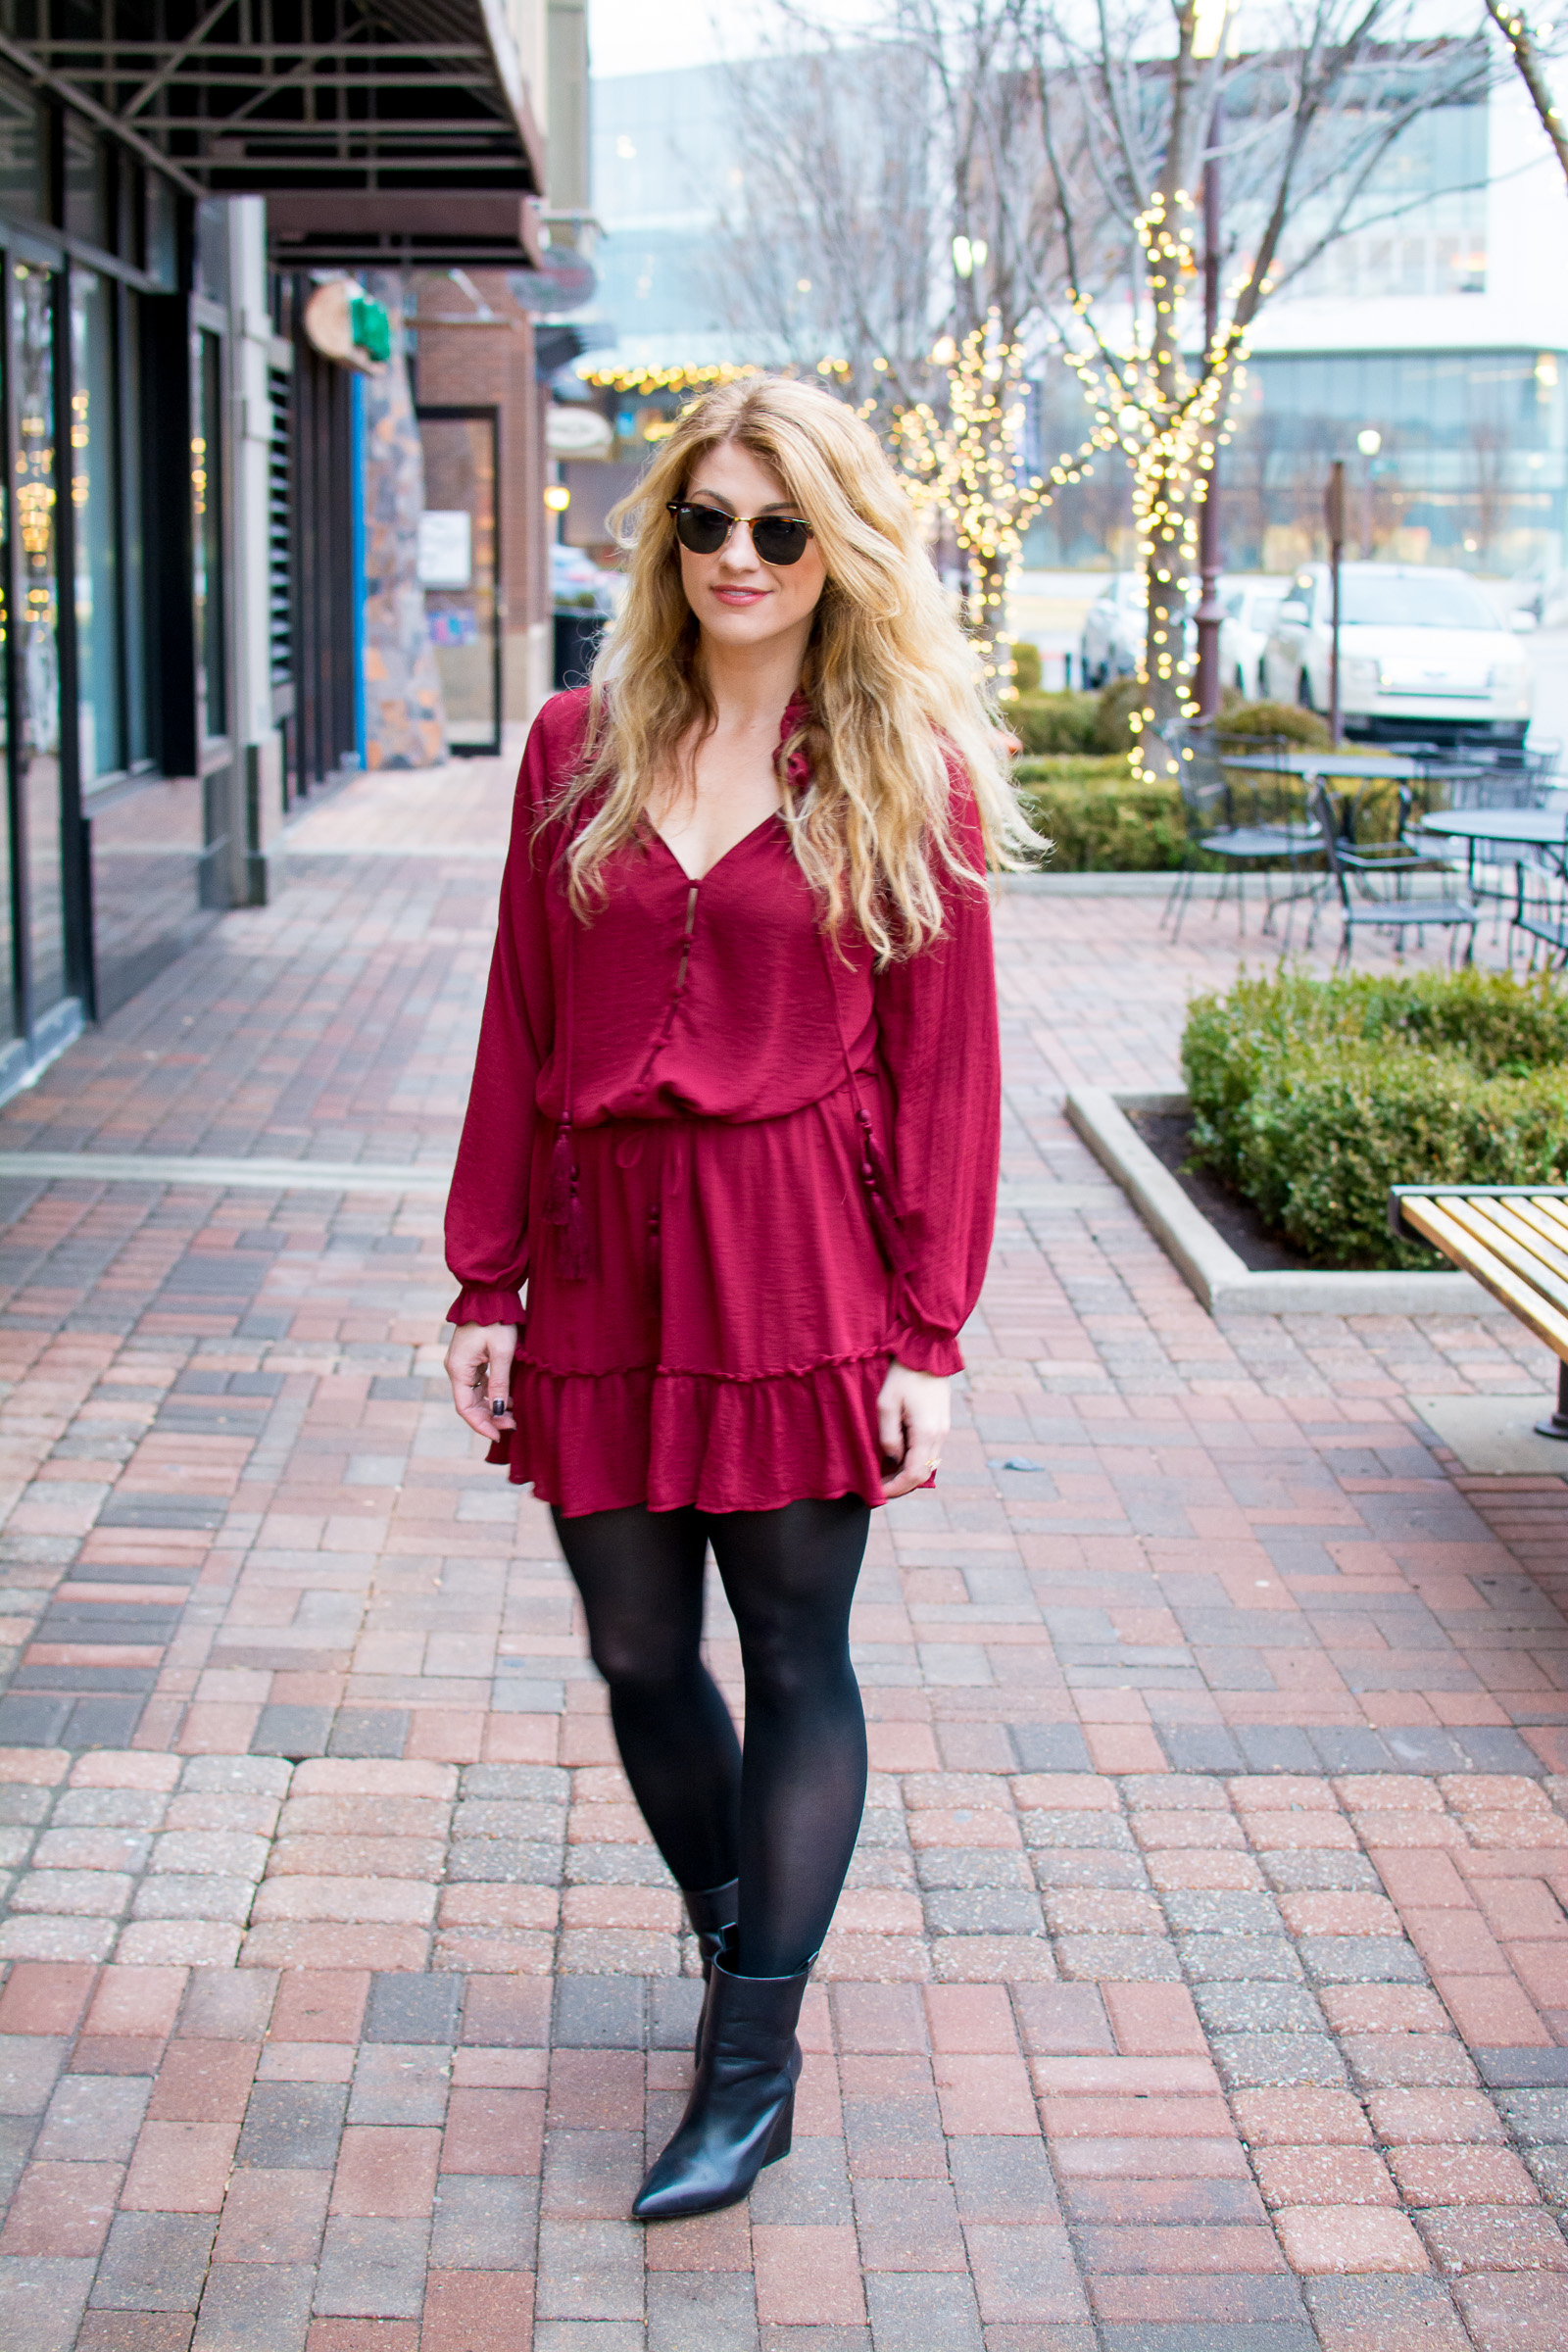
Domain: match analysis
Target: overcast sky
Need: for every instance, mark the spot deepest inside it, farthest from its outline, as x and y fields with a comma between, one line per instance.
x=635, y=37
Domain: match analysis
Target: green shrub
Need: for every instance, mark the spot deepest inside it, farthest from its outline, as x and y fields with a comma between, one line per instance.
x=1117, y=703
x=1071, y=767
x=1081, y=794
x=1045, y=723
x=1099, y=820
x=1276, y=718
x=1048, y=723
x=1025, y=666
x=1314, y=1097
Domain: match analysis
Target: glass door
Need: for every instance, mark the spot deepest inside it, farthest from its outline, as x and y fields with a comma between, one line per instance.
x=10, y=1006
x=459, y=570
x=95, y=517
x=35, y=666
x=206, y=509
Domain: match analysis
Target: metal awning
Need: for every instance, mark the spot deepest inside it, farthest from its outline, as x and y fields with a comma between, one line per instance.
x=308, y=99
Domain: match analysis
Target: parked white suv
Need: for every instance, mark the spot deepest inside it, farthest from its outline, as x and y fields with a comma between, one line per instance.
x=1422, y=652
x=1115, y=627
x=1249, y=609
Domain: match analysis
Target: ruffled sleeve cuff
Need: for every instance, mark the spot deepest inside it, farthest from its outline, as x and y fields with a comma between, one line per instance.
x=922, y=1351
x=486, y=1306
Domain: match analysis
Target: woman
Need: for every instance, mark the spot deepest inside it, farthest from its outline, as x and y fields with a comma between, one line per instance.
x=734, y=1119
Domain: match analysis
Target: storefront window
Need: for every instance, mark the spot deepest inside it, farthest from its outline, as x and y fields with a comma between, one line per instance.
x=207, y=496
x=38, y=718
x=162, y=231
x=94, y=486
x=133, y=546
x=9, y=1023
x=211, y=249
x=21, y=155
x=86, y=183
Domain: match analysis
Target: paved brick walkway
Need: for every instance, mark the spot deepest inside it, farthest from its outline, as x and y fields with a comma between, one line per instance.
x=1202, y=1985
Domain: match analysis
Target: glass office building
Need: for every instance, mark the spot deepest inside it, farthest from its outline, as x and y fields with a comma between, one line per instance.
x=1452, y=457
x=1468, y=466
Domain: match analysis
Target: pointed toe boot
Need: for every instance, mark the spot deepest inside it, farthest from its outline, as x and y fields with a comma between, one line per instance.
x=713, y=1912
x=742, y=2107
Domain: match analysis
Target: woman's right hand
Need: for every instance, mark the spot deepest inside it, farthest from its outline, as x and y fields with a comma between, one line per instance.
x=479, y=1368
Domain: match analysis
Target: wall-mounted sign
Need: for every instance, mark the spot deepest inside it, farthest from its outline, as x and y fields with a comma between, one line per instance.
x=578, y=432
x=446, y=548
x=346, y=326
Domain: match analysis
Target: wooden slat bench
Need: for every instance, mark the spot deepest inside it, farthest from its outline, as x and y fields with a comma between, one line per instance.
x=1513, y=1237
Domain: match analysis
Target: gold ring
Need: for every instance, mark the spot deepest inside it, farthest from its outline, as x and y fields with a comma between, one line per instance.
x=935, y=1463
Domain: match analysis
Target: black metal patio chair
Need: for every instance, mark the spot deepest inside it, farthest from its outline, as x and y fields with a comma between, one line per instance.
x=1374, y=879
x=1494, y=871
x=1238, y=822
x=1539, y=918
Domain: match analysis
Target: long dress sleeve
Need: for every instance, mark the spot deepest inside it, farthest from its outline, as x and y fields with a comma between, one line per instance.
x=937, y=1021
x=487, y=1238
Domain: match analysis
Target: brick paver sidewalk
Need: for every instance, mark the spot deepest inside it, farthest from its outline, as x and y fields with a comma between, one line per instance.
x=1202, y=1985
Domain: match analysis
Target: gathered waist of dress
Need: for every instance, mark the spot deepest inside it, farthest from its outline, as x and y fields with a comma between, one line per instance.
x=663, y=1113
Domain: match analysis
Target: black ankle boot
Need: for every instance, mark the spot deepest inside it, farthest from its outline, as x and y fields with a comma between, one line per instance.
x=742, y=2106
x=713, y=1912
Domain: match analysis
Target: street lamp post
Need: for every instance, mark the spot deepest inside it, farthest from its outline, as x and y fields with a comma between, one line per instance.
x=1368, y=441
x=1334, y=514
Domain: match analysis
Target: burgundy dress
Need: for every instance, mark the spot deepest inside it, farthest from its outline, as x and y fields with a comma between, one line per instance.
x=679, y=1133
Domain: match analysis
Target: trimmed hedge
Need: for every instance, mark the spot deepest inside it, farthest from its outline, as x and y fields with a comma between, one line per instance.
x=1099, y=820
x=1052, y=723
x=1275, y=718
x=1056, y=724
x=1102, y=822
x=1313, y=1096
x=1025, y=666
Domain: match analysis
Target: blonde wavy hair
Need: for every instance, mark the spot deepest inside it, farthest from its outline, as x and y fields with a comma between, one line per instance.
x=895, y=687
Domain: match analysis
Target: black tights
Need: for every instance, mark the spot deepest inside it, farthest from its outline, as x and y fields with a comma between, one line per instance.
x=783, y=1819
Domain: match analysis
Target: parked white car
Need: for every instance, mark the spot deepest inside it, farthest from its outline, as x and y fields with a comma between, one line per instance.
x=1249, y=609
x=1114, y=627
x=1422, y=652
x=575, y=579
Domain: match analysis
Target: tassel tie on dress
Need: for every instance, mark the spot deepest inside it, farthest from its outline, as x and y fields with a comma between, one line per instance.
x=563, y=1208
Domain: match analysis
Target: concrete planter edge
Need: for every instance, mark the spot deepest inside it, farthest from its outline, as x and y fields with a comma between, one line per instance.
x=1214, y=1272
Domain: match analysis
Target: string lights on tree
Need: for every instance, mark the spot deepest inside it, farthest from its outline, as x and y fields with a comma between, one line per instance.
x=1170, y=421
x=969, y=466
x=1526, y=44
x=696, y=378
x=964, y=463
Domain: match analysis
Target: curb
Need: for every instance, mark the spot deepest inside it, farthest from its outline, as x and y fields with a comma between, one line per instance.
x=1215, y=1273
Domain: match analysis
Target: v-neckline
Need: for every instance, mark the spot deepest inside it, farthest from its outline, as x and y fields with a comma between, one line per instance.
x=697, y=880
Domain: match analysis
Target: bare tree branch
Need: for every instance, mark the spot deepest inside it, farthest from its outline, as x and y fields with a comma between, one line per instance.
x=1514, y=27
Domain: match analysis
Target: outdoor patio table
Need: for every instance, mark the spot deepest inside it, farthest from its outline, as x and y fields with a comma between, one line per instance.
x=1311, y=767
x=1542, y=831
x=1355, y=767
x=1528, y=828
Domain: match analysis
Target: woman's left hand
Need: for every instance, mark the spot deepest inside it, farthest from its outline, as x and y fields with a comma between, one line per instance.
x=914, y=1414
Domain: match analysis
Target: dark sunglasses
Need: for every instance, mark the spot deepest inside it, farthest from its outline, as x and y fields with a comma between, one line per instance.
x=777, y=538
